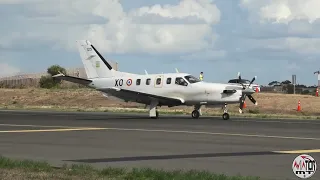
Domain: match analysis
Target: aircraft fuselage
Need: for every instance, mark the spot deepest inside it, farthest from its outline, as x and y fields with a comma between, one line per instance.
x=175, y=85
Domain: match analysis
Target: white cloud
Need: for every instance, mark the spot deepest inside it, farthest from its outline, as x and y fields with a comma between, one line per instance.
x=299, y=30
x=283, y=11
x=205, y=55
x=184, y=27
x=8, y=70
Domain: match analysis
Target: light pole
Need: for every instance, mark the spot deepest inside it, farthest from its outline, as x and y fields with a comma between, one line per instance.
x=294, y=77
x=317, y=90
x=318, y=72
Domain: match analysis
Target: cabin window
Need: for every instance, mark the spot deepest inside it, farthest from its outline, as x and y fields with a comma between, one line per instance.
x=138, y=81
x=158, y=82
x=168, y=80
x=148, y=81
x=180, y=81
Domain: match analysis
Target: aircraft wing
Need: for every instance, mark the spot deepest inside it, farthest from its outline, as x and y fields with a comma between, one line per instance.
x=142, y=97
x=73, y=79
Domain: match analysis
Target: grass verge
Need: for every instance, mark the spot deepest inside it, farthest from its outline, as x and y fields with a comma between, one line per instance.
x=271, y=105
x=27, y=169
x=250, y=114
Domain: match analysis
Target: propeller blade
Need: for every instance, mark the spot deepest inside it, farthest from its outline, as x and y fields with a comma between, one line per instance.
x=252, y=100
x=239, y=76
x=239, y=80
x=253, y=79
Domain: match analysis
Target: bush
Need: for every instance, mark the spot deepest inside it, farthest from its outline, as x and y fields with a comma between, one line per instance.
x=305, y=92
x=49, y=82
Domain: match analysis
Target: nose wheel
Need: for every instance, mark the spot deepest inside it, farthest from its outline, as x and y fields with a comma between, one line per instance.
x=225, y=115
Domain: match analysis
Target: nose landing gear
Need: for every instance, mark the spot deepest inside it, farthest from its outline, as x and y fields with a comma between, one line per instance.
x=225, y=115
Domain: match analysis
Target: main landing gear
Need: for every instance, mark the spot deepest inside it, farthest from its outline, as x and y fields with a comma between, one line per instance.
x=153, y=112
x=196, y=113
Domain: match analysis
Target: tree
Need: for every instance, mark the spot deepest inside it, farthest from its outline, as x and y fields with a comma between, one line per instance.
x=56, y=69
x=47, y=81
x=286, y=82
x=273, y=83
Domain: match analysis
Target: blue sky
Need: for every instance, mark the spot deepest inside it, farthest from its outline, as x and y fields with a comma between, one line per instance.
x=268, y=39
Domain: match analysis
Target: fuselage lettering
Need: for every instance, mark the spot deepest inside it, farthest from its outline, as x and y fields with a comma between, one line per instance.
x=118, y=82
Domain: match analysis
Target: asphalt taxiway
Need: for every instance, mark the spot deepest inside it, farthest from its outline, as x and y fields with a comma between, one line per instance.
x=264, y=148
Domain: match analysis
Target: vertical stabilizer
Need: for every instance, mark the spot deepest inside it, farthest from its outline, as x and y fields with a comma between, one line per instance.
x=95, y=65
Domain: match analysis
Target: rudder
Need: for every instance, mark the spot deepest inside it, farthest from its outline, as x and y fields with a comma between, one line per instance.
x=94, y=63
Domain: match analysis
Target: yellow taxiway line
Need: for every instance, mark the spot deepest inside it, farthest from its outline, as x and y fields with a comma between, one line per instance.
x=51, y=130
x=305, y=151
x=68, y=128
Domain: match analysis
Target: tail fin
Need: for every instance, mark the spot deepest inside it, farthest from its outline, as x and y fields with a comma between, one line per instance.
x=95, y=65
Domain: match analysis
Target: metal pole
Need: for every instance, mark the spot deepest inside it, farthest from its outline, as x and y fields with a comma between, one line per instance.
x=318, y=79
x=294, y=83
x=318, y=72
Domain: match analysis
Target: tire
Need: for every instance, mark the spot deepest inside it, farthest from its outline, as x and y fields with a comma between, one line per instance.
x=195, y=114
x=225, y=116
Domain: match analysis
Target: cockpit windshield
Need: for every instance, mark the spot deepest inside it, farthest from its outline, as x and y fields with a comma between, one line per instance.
x=243, y=81
x=192, y=79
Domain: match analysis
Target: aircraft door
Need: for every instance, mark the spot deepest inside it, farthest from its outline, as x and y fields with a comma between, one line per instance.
x=158, y=82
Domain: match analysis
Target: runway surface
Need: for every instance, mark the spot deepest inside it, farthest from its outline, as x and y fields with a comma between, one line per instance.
x=236, y=146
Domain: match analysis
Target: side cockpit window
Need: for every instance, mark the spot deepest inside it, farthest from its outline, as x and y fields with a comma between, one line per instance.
x=180, y=81
x=192, y=79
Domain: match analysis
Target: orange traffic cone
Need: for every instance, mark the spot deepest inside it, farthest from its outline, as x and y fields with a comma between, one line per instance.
x=257, y=89
x=317, y=92
x=244, y=104
x=299, y=106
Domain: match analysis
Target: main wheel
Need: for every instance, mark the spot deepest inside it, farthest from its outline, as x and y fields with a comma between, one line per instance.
x=225, y=116
x=195, y=114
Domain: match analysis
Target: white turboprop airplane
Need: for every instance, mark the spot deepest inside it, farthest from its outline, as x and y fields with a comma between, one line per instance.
x=153, y=90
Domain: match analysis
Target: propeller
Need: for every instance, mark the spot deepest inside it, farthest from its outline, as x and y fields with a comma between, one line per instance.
x=246, y=92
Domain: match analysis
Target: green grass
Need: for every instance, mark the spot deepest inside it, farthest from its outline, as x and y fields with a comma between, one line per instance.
x=252, y=113
x=42, y=170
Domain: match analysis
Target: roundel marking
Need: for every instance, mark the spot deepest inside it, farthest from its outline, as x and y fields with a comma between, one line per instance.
x=129, y=82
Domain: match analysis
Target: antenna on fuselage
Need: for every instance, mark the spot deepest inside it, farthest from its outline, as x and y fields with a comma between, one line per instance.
x=177, y=70
x=146, y=72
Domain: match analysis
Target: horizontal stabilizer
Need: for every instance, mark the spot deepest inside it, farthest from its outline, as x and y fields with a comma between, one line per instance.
x=73, y=79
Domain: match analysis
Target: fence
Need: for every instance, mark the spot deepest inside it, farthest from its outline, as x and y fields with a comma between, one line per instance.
x=32, y=80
